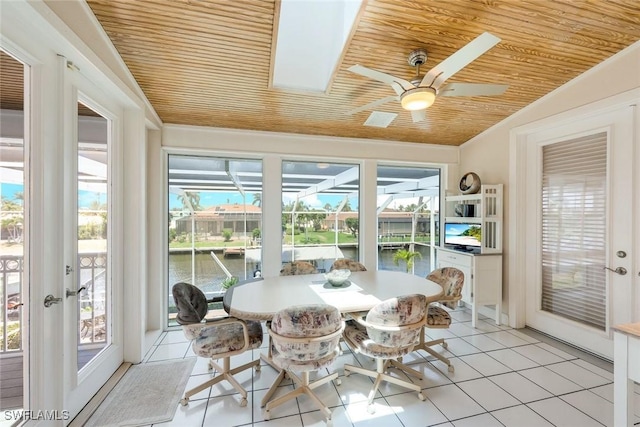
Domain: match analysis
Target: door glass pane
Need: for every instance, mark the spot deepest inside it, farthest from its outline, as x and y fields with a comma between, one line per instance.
x=408, y=206
x=574, y=177
x=93, y=287
x=320, y=212
x=13, y=322
x=215, y=224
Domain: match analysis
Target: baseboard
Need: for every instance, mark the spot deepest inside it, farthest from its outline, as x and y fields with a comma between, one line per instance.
x=86, y=412
x=490, y=312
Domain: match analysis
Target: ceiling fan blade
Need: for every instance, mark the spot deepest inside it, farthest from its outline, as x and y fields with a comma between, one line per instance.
x=373, y=104
x=472, y=89
x=418, y=115
x=398, y=84
x=460, y=59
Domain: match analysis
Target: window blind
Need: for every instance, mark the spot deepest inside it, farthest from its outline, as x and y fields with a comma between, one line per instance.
x=574, y=176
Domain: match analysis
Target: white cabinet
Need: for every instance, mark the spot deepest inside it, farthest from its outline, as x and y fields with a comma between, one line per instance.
x=481, y=262
x=482, y=278
x=483, y=209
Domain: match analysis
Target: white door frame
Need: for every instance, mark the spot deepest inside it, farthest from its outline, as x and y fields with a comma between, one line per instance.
x=35, y=36
x=521, y=217
x=79, y=387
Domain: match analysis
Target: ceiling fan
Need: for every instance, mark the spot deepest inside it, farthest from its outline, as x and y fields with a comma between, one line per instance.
x=418, y=94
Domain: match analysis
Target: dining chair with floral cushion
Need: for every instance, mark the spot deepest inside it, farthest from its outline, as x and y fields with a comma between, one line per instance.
x=452, y=280
x=295, y=268
x=389, y=331
x=347, y=264
x=352, y=265
x=304, y=338
x=218, y=338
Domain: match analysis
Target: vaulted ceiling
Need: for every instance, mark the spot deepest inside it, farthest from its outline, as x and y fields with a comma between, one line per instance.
x=209, y=62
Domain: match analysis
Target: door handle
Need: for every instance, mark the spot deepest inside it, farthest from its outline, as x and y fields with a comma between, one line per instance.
x=620, y=270
x=49, y=300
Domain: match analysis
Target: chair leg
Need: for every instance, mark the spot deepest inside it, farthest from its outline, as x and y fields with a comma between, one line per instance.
x=426, y=346
x=303, y=387
x=379, y=375
x=273, y=388
x=404, y=368
x=224, y=374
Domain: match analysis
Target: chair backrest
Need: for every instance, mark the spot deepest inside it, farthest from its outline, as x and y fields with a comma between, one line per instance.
x=306, y=321
x=408, y=312
x=295, y=268
x=191, y=303
x=348, y=264
x=451, y=279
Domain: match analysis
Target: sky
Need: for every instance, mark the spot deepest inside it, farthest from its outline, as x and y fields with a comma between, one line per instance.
x=85, y=198
x=208, y=199
x=8, y=191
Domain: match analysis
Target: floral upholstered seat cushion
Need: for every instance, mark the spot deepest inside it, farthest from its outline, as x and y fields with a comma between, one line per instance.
x=451, y=279
x=347, y=264
x=437, y=316
x=210, y=339
x=401, y=311
x=305, y=321
x=357, y=334
x=217, y=336
x=302, y=365
x=295, y=268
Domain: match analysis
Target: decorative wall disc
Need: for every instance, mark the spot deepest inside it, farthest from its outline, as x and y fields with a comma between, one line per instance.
x=470, y=183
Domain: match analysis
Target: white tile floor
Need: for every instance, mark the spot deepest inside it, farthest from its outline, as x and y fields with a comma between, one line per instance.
x=503, y=377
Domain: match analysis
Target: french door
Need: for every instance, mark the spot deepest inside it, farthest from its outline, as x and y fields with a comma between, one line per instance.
x=579, y=277
x=92, y=324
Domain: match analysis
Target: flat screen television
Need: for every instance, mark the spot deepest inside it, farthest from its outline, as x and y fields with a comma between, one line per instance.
x=463, y=236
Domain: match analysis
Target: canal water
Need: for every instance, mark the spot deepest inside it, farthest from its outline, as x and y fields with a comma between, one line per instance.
x=209, y=275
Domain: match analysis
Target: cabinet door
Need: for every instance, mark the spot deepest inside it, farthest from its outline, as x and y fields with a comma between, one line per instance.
x=467, y=288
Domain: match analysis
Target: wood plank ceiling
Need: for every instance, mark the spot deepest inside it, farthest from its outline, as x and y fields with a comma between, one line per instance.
x=207, y=62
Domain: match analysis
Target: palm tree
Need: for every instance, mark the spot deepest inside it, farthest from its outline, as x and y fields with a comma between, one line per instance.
x=407, y=256
x=193, y=198
x=10, y=205
x=257, y=199
x=97, y=206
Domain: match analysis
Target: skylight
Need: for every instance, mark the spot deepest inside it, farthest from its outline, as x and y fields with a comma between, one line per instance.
x=310, y=39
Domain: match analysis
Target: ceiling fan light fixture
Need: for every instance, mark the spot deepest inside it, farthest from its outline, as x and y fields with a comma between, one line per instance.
x=419, y=98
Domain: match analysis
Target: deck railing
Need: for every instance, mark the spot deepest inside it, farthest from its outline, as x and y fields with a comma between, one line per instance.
x=92, y=300
x=11, y=268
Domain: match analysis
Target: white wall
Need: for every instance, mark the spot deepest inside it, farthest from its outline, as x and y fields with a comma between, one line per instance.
x=312, y=147
x=488, y=154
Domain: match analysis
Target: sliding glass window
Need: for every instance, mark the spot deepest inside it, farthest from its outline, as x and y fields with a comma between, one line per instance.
x=215, y=223
x=320, y=212
x=408, y=207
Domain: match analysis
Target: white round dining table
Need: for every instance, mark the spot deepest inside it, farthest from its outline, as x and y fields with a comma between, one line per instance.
x=261, y=299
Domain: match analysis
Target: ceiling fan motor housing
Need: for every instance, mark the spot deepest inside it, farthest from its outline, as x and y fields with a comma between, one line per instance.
x=417, y=57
